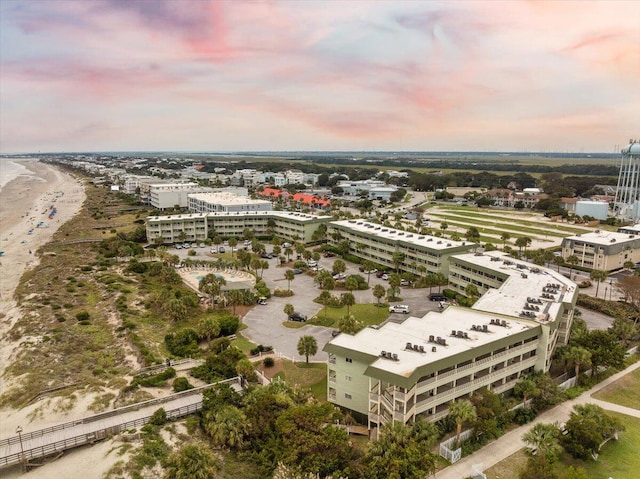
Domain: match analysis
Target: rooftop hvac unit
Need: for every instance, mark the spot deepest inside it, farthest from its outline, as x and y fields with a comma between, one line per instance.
x=408, y=346
x=395, y=357
x=433, y=349
x=383, y=354
x=438, y=340
x=473, y=327
x=422, y=349
x=485, y=328
x=416, y=347
x=460, y=334
x=431, y=338
x=466, y=335
x=389, y=355
x=453, y=333
x=524, y=276
x=503, y=323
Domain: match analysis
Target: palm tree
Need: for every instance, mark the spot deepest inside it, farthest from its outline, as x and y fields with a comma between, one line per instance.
x=378, y=292
x=193, y=461
x=348, y=324
x=288, y=309
x=398, y=258
x=544, y=440
x=598, y=275
x=208, y=327
x=226, y=426
x=462, y=411
x=526, y=388
x=443, y=227
x=577, y=355
x=233, y=242
x=572, y=260
x=234, y=298
x=351, y=283
x=325, y=297
x=505, y=237
x=348, y=300
x=307, y=346
x=211, y=285
x=289, y=275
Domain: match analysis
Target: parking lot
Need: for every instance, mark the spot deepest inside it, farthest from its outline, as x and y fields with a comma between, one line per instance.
x=265, y=322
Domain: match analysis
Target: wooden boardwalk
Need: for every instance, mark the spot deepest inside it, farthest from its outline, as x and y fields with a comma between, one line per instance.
x=55, y=439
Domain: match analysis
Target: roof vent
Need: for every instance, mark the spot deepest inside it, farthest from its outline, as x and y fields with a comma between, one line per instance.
x=408, y=346
x=433, y=349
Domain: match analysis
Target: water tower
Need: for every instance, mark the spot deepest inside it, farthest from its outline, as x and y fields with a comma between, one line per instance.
x=627, y=202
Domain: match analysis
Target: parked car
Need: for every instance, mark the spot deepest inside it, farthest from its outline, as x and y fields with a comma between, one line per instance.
x=178, y=246
x=339, y=276
x=201, y=245
x=262, y=300
x=371, y=271
x=295, y=316
x=335, y=332
x=399, y=308
x=379, y=274
x=329, y=254
x=404, y=282
x=286, y=245
x=297, y=271
x=221, y=249
x=312, y=264
x=437, y=297
x=385, y=277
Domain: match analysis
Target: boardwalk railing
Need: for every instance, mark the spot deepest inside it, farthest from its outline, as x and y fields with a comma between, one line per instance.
x=47, y=449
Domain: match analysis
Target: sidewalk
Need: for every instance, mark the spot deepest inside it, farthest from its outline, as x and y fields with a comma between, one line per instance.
x=511, y=442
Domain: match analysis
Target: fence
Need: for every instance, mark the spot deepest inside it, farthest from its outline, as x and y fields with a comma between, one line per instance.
x=454, y=456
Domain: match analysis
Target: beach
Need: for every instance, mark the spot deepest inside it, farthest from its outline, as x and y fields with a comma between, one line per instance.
x=25, y=201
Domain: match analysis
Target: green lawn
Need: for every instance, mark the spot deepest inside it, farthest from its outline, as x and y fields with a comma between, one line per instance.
x=369, y=314
x=618, y=459
x=312, y=375
x=243, y=344
x=625, y=391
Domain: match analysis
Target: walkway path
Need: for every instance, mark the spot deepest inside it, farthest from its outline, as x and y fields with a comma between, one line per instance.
x=37, y=444
x=511, y=442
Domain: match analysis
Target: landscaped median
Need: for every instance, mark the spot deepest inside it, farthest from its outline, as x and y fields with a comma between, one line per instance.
x=366, y=314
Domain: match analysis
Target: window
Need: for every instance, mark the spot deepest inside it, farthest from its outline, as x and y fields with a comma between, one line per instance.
x=347, y=396
x=348, y=378
x=349, y=360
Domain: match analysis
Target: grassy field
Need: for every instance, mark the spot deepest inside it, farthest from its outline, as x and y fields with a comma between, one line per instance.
x=625, y=391
x=312, y=375
x=367, y=314
x=618, y=459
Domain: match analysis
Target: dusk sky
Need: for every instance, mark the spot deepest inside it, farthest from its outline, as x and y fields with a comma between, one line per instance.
x=197, y=75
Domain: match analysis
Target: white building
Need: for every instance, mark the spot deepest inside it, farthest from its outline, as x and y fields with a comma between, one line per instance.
x=224, y=202
x=604, y=250
x=354, y=188
x=169, y=195
x=596, y=209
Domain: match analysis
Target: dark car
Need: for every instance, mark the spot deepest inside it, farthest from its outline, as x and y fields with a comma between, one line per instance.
x=329, y=254
x=297, y=271
x=335, y=332
x=437, y=297
x=295, y=316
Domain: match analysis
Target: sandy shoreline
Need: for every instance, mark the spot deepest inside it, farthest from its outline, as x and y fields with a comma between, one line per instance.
x=24, y=202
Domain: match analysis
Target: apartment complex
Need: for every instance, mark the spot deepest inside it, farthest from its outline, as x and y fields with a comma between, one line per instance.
x=605, y=250
x=399, y=372
x=199, y=226
x=224, y=202
x=169, y=195
x=375, y=189
x=379, y=243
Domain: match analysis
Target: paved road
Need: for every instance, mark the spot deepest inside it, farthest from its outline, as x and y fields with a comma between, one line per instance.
x=512, y=442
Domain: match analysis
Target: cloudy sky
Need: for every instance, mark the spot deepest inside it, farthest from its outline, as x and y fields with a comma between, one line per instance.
x=198, y=75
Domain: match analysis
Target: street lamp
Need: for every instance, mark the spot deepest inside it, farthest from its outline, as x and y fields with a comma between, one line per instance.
x=610, y=288
x=22, y=458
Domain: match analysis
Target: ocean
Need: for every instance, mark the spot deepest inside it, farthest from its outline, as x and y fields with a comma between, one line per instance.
x=9, y=170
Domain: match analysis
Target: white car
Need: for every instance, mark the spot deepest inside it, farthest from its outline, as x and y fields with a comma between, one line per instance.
x=404, y=282
x=399, y=308
x=312, y=264
x=339, y=276
x=385, y=277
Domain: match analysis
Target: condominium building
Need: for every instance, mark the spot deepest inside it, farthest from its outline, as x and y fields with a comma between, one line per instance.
x=400, y=372
x=199, y=226
x=420, y=253
x=604, y=250
x=224, y=202
x=169, y=195
x=375, y=189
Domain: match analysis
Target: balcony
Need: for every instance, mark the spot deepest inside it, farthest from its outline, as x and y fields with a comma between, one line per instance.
x=475, y=384
x=518, y=350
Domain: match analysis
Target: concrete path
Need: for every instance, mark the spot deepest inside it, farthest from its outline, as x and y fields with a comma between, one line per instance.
x=512, y=442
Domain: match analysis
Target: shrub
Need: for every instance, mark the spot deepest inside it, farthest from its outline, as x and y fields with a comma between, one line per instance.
x=268, y=362
x=229, y=324
x=260, y=349
x=159, y=417
x=137, y=267
x=83, y=316
x=524, y=415
x=183, y=344
x=157, y=380
x=181, y=384
x=282, y=293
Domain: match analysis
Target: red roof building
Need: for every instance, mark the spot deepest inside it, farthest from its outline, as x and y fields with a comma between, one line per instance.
x=311, y=200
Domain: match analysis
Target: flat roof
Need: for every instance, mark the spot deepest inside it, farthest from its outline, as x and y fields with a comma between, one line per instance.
x=426, y=241
x=226, y=199
x=602, y=238
x=230, y=214
x=393, y=337
x=525, y=280
x=634, y=228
